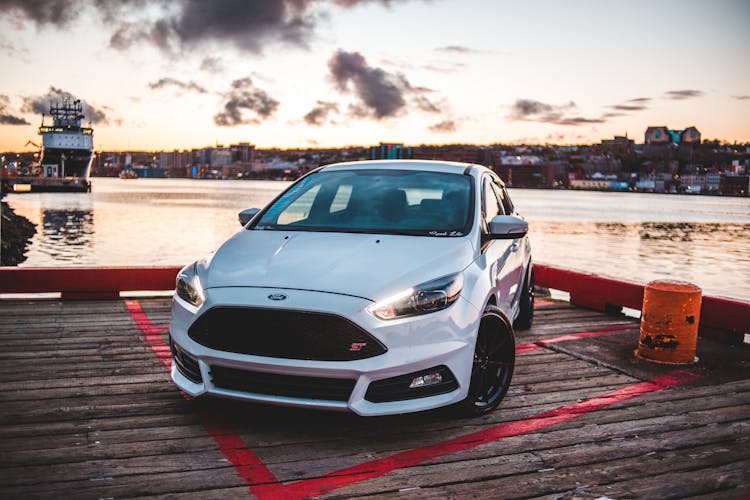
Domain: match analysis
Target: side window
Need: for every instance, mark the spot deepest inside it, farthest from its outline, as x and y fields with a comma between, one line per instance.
x=490, y=204
x=502, y=195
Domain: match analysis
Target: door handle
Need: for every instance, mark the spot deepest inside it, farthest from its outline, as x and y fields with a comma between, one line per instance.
x=515, y=246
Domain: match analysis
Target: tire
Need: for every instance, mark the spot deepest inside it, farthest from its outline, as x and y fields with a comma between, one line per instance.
x=526, y=303
x=494, y=360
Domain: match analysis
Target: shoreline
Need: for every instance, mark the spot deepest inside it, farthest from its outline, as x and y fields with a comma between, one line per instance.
x=16, y=233
x=719, y=195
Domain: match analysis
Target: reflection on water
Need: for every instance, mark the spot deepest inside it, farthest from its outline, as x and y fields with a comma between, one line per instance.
x=66, y=234
x=691, y=231
x=639, y=237
x=715, y=256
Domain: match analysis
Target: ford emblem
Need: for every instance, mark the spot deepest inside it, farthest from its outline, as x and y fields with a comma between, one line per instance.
x=277, y=296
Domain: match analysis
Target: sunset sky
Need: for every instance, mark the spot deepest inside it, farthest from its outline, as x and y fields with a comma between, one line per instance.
x=159, y=74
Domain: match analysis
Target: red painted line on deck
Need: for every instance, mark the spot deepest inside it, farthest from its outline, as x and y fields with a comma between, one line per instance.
x=264, y=485
x=411, y=458
x=247, y=464
x=538, y=344
x=151, y=333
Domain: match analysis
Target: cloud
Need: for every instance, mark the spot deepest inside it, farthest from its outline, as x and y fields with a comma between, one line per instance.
x=629, y=107
x=12, y=50
x=6, y=116
x=172, y=82
x=444, y=68
x=381, y=93
x=556, y=137
x=679, y=95
x=320, y=113
x=578, y=120
x=537, y=111
x=173, y=26
x=212, y=65
x=127, y=34
x=178, y=25
x=457, y=49
x=58, y=13
x=425, y=104
x=636, y=104
x=741, y=97
x=524, y=108
x=244, y=96
x=443, y=127
x=40, y=105
x=246, y=25
x=355, y=3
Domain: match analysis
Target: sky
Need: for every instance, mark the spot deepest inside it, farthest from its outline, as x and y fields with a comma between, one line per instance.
x=166, y=74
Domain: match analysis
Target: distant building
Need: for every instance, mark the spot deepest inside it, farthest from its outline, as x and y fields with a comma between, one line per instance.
x=244, y=152
x=664, y=142
x=221, y=157
x=736, y=185
x=462, y=153
x=390, y=151
x=620, y=145
x=663, y=135
x=538, y=175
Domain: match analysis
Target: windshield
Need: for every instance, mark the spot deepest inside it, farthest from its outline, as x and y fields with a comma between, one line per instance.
x=375, y=201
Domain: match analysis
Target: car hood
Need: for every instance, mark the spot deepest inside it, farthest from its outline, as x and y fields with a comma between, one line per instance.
x=364, y=265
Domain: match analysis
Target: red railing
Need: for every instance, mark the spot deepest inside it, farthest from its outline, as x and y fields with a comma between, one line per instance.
x=87, y=282
x=724, y=319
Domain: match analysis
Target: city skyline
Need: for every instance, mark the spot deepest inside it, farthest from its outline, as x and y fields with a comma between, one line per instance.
x=302, y=73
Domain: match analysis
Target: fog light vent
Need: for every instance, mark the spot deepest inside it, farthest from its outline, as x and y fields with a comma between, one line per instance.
x=425, y=380
x=431, y=382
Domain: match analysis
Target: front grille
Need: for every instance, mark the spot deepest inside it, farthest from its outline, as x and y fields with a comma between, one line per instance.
x=186, y=364
x=329, y=389
x=397, y=388
x=284, y=334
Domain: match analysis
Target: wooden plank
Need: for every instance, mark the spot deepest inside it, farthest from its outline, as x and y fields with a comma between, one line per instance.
x=90, y=410
x=529, y=476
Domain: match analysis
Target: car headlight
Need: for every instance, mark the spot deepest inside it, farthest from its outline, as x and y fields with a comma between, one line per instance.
x=189, y=287
x=422, y=299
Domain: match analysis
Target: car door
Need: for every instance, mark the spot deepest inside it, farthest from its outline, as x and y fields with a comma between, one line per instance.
x=520, y=248
x=499, y=254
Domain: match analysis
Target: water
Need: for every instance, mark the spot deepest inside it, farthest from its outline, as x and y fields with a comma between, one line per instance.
x=638, y=237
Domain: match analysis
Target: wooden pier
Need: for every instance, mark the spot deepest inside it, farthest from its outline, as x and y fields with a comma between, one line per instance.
x=89, y=411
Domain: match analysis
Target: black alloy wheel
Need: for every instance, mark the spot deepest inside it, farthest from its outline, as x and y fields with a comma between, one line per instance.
x=494, y=360
x=526, y=303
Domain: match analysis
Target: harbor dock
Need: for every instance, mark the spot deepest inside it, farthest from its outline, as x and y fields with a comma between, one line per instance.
x=89, y=411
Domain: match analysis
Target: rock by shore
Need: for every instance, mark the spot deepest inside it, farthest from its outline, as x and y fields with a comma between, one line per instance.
x=15, y=234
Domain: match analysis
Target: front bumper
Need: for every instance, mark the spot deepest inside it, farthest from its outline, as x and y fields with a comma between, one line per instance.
x=445, y=338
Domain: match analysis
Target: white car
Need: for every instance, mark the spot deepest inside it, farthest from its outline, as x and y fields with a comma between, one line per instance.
x=378, y=287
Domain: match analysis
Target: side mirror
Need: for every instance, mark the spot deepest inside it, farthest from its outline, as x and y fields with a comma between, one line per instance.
x=247, y=215
x=507, y=227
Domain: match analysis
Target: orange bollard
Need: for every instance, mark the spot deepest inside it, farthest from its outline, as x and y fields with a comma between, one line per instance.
x=669, y=322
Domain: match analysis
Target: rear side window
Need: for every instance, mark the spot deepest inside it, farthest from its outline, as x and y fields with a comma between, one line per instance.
x=502, y=195
x=490, y=203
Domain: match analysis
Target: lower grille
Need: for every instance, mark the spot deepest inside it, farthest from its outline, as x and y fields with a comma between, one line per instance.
x=186, y=364
x=271, y=384
x=284, y=334
x=397, y=388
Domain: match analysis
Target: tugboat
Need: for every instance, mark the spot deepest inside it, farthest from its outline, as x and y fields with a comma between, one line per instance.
x=67, y=151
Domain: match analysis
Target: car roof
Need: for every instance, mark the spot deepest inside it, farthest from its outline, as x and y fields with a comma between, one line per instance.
x=422, y=165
